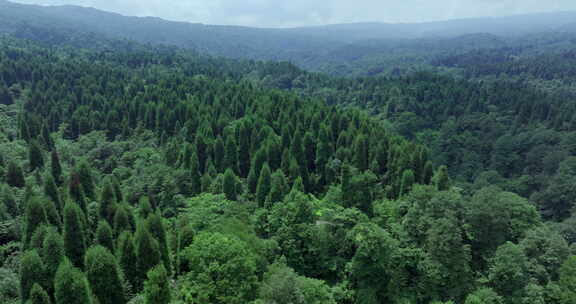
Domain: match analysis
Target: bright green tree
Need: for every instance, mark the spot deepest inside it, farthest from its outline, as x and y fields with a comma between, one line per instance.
x=229, y=185
x=32, y=272
x=35, y=217
x=278, y=188
x=567, y=281
x=71, y=286
x=104, y=276
x=157, y=286
x=127, y=258
x=38, y=295
x=52, y=254
x=155, y=226
x=263, y=187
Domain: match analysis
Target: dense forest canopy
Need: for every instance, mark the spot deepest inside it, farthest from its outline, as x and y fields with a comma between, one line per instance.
x=134, y=173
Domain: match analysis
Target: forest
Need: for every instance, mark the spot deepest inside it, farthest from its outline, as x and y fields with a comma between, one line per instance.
x=145, y=173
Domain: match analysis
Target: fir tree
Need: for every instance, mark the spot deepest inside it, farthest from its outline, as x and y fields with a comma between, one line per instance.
x=35, y=156
x=31, y=272
x=361, y=159
x=231, y=154
x=263, y=188
x=51, y=191
x=441, y=179
x=104, y=276
x=35, y=217
x=86, y=179
x=56, y=168
x=147, y=252
x=104, y=236
x=127, y=258
x=14, y=176
x=70, y=285
x=122, y=220
x=156, y=228
x=74, y=237
x=52, y=254
x=107, y=205
x=229, y=185
x=219, y=154
x=279, y=187
x=195, y=178
x=38, y=295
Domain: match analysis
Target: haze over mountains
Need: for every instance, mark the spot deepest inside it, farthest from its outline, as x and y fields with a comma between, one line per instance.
x=310, y=47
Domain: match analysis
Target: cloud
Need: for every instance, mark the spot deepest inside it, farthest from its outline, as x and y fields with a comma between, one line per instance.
x=285, y=13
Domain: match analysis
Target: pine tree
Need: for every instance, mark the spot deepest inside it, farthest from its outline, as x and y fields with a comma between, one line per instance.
x=278, y=188
x=147, y=252
x=107, y=206
x=122, y=220
x=77, y=193
x=144, y=208
x=361, y=159
x=74, y=237
x=9, y=201
x=37, y=240
x=157, y=287
x=31, y=272
x=104, y=236
x=14, y=176
x=56, y=168
x=52, y=215
x=156, y=228
x=310, y=152
x=195, y=178
x=103, y=276
x=38, y=295
x=441, y=179
x=263, y=188
x=347, y=187
x=244, y=150
x=52, y=254
x=219, y=154
x=229, y=185
x=86, y=179
x=127, y=258
x=35, y=156
x=257, y=163
x=51, y=191
x=201, y=152
x=70, y=285
x=408, y=180
x=35, y=217
x=231, y=154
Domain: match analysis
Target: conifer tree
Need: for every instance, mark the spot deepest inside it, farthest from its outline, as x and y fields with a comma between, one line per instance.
x=263, y=188
x=104, y=236
x=103, y=276
x=52, y=215
x=77, y=193
x=86, y=179
x=32, y=272
x=147, y=252
x=9, y=201
x=14, y=176
x=107, y=206
x=37, y=240
x=35, y=156
x=38, y=295
x=309, y=152
x=230, y=154
x=157, y=287
x=126, y=254
x=361, y=160
x=122, y=220
x=51, y=191
x=407, y=181
x=278, y=188
x=156, y=228
x=74, y=235
x=145, y=208
x=56, y=168
x=244, y=150
x=70, y=285
x=52, y=254
x=441, y=179
x=219, y=154
x=35, y=217
x=201, y=152
x=195, y=178
x=257, y=163
x=229, y=185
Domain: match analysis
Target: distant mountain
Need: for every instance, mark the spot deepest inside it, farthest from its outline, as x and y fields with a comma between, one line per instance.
x=341, y=48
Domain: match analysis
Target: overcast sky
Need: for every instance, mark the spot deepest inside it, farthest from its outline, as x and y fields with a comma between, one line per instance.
x=287, y=13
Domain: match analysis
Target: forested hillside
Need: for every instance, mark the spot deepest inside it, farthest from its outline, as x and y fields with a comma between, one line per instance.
x=135, y=173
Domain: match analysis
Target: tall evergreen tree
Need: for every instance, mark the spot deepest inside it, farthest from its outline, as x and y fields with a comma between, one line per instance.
x=107, y=206
x=104, y=276
x=14, y=175
x=231, y=155
x=56, y=167
x=86, y=179
x=71, y=286
x=122, y=220
x=52, y=254
x=157, y=287
x=31, y=272
x=127, y=258
x=74, y=234
x=361, y=157
x=104, y=236
x=219, y=152
x=51, y=191
x=263, y=188
x=35, y=217
x=279, y=187
x=147, y=252
x=35, y=156
x=156, y=228
x=229, y=185
x=38, y=295
x=442, y=179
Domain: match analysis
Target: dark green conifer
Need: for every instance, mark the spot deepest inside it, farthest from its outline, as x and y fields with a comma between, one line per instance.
x=279, y=187
x=77, y=193
x=104, y=235
x=244, y=150
x=38, y=295
x=257, y=163
x=309, y=146
x=219, y=154
x=35, y=156
x=56, y=168
x=263, y=188
x=107, y=206
x=70, y=285
x=103, y=276
x=9, y=201
x=86, y=179
x=51, y=191
x=34, y=218
x=441, y=179
x=74, y=235
x=156, y=228
x=195, y=178
x=231, y=154
x=229, y=185
x=126, y=254
x=32, y=272
x=122, y=220
x=408, y=180
x=361, y=148
x=145, y=208
x=147, y=252
x=14, y=175
x=52, y=254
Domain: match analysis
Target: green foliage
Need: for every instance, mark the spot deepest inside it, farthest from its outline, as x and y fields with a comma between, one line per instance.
x=56, y=167
x=127, y=258
x=52, y=254
x=14, y=175
x=263, y=188
x=157, y=286
x=484, y=296
x=38, y=295
x=104, y=236
x=567, y=281
x=148, y=253
x=155, y=225
x=74, y=234
x=35, y=217
x=35, y=156
x=508, y=272
x=104, y=276
x=32, y=271
x=71, y=286
x=229, y=187
x=222, y=270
